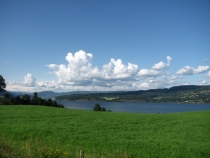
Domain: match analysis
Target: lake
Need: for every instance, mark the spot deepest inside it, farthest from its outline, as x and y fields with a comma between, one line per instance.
x=136, y=107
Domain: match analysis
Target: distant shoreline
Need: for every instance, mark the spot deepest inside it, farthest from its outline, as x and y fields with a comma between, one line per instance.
x=82, y=100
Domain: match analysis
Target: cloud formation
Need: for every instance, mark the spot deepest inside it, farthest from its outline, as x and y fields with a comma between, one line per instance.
x=162, y=65
x=148, y=73
x=208, y=75
x=80, y=74
x=29, y=80
x=80, y=69
x=187, y=70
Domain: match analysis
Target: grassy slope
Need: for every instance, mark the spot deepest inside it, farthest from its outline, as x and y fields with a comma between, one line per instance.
x=36, y=130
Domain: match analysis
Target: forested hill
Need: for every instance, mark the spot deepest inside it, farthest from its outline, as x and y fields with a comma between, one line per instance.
x=177, y=94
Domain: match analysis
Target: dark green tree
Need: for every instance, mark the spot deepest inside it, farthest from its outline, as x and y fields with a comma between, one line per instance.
x=40, y=101
x=103, y=109
x=97, y=107
x=7, y=98
x=18, y=100
x=2, y=83
x=49, y=102
x=26, y=100
x=35, y=99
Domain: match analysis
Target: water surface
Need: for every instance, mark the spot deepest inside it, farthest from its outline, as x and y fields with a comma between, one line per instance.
x=137, y=107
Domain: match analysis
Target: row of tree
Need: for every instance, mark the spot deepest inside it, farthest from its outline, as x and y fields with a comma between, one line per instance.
x=26, y=99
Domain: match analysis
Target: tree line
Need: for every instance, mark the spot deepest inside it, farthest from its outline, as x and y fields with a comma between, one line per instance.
x=26, y=99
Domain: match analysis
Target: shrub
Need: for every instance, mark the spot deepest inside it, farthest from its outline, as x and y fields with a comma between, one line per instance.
x=97, y=107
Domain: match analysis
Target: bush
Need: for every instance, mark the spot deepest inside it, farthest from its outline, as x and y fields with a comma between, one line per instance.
x=97, y=107
x=103, y=109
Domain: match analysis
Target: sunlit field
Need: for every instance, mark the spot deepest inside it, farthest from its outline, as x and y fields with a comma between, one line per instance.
x=39, y=131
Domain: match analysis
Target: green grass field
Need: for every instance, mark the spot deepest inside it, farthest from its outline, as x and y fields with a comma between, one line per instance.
x=39, y=131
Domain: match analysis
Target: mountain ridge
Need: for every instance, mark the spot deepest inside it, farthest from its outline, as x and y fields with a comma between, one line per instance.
x=175, y=94
x=150, y=95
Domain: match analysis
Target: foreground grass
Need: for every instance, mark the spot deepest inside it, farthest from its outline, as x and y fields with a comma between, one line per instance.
x=38, y=131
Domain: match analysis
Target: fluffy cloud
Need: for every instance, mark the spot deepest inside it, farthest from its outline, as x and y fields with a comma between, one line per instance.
x=187, y=70
x=80, y=74
x=115, y=69
x=148, y=73
x=80, y=70
x=162, y=65
x=201, y=69
x=174, y=77
x=29, y=80
x=204, y=82
x=208, y=75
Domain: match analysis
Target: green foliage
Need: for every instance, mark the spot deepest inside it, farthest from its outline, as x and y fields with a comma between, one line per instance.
x=18, y=100
x=97, y=107
x=7, y=98
x=103, y=109
x=35, y=99
x=2, y=83
x=37, y=130
x=26, y=100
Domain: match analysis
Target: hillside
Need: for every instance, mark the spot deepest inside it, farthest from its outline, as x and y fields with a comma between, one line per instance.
x=40, y=131
x=177, y=94
x=45, y=94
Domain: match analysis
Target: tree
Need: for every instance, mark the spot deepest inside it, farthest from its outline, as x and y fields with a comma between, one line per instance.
x=26, y=100
x=7, y=98
x=97, y=107
x=49, y=102
x=103, y=109
x=18, y=100
x=34, y=100
x=2, y=83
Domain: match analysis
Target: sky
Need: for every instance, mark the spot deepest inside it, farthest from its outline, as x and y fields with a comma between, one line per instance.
x=104, y=45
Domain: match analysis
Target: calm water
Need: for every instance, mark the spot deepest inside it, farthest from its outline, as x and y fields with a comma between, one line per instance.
x=137, y=107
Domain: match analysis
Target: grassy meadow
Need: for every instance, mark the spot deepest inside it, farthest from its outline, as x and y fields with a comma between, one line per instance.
x=40, y=131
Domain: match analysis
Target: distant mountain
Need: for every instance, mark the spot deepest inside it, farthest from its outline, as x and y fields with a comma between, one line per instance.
x=185, y=93
x=51, y=94
x=4, y=91
x=47, y=94
x=177, y=94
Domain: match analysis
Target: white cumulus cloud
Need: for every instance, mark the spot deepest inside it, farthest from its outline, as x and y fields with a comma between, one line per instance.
x=80, y=74
x=187, y=70
x=162, y=65
x=115, y=69
x=202, y=69
x=29, y=80
x=80, y=71
x=208, y=75
x=203, y=82
x=148, y=73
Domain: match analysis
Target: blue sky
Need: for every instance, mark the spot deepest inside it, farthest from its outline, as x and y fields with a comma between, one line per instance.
x=104, y=45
